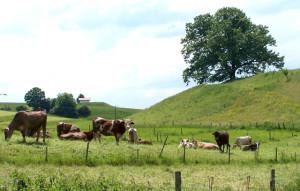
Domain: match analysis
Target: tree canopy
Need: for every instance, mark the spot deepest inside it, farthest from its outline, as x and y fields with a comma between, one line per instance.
x=221, y=46
x=35, y=98
x=65, y=105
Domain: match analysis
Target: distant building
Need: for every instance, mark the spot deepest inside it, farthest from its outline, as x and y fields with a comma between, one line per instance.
x=84, y=100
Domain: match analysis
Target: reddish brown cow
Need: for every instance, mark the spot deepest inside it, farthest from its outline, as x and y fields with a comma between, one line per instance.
x=64, y=128
x=24, y=121
x=83, y=135
x=107, y=127
x=140, y=141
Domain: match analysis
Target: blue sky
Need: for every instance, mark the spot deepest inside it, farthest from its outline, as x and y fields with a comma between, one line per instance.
x=125, y=52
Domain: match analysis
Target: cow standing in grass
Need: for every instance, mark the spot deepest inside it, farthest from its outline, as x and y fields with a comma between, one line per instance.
x=108, y=127
x=222, y=138
x=24, y=121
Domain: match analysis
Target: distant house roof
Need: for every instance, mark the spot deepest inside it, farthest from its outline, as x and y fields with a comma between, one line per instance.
x=86, y=99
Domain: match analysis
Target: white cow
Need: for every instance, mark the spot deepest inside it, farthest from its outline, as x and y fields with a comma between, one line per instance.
x=133, y=136
x=246, y=140
x=185, y=143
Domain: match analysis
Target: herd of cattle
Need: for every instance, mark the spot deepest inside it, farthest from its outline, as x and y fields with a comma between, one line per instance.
x=222, y=139
x=32, y=123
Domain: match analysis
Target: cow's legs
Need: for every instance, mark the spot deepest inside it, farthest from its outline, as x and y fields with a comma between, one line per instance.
x=117, y=140
x=24, y=135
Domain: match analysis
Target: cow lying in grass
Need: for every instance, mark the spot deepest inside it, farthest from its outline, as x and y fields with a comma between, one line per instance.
x=246, y=140
x=204, y=145
x=83, y=135
x=140, y=141
x=185, y=143
x=252, y=147
x=64, y=128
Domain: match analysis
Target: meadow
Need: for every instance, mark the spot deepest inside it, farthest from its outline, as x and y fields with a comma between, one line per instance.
x=139, y=167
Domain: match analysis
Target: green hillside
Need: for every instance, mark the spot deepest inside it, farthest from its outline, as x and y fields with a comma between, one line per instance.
x=263, y=98
x=101, y=109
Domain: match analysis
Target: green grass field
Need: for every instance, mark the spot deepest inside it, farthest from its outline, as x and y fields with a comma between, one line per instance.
x=139, y=167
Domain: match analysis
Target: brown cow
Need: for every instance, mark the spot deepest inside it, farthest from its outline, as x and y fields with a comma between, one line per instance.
x=83, y=135
x=64, y=128
x=140, y=141
x=107, y=127
x=204, y=145
x=222, y=138
x=24, y=121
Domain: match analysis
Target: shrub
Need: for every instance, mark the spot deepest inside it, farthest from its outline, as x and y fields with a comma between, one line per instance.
x=84, y=111
x=21, y=108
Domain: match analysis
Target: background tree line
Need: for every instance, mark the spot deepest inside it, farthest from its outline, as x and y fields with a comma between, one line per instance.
x=64, y=105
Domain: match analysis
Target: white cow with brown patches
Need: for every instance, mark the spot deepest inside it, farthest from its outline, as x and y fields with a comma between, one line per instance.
x=108, y=127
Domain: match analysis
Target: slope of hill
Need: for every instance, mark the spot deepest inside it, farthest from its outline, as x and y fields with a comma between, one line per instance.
x=267, y=97
x=101, y=109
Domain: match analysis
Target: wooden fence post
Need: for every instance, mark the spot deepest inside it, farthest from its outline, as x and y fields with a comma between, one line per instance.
x=177, y=181
x=278, y=125
x=228, y=155
x=20, y=185
x=46, y=154
x=248, y=183
x=210, y=183
x=272, y=182
x=184, y=154
x=283, y=125
x=160, y=136
x=87, y=151
x=163, y=146
x=276, y=154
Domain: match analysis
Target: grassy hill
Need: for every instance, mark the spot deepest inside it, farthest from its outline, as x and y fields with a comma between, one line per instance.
x=263, y=98
x=101, y=109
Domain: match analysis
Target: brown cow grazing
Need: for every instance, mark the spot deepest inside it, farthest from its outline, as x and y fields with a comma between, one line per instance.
x=64, y=128
x=83, y=135
x=140, y=141
x=27, y=121
x=222, y=138
x=107, y=127
x=204, y=145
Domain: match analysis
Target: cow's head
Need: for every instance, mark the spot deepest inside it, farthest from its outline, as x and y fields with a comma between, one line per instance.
x=6, y=133
x=234, y=146
x=216, y=134
x=184, y=142
x=128, y=122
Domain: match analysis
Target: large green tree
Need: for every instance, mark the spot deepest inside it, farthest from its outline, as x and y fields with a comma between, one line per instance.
x=65, y=105
x=227, y=45
x=36, y=98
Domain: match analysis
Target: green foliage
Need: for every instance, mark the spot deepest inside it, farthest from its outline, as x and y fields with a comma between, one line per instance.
x=218, y=47
x=65, y=106
x=84, y=111
x=21, y=108
x=36, y=98
x=79, y=96
x=5, y=108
